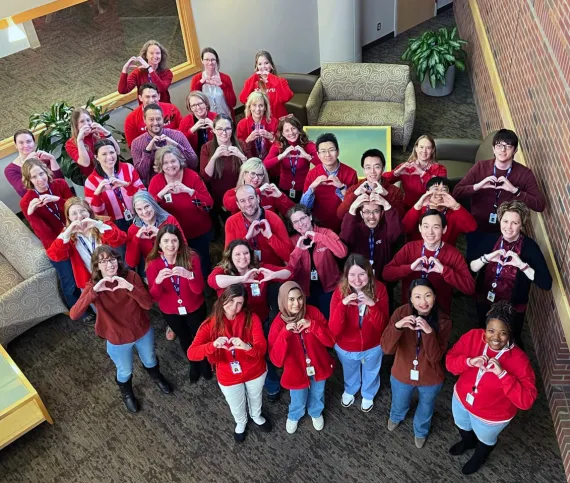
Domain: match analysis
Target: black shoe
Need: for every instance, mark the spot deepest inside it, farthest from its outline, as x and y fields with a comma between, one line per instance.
x=239, y=437
x=128, y=396
x=468, y=441
x=274, y=397
x=266, y=427
x=159, y=379
x=482, y=451
x=206, y=369
x=194, y=372
x=88, y=318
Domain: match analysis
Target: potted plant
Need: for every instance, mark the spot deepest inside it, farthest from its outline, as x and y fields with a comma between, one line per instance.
x=434, y=57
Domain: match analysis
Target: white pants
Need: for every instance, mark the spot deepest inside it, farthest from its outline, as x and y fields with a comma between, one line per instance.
x=236, y=398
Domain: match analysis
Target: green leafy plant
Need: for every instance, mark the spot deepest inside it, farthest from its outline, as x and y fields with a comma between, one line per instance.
x=434, y=52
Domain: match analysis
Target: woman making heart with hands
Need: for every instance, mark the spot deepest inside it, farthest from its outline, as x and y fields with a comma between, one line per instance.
x=198, y=126
x=257, y=128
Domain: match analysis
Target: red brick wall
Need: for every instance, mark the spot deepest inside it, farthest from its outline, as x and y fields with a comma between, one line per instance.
x=530, y=45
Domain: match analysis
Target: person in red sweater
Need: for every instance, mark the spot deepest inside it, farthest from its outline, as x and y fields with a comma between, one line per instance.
x=182, y=193
x=291, y=156
x=373, y=162
x=84, y=134
x=417, y=171
x=232, y=339
x=152, y=61
x=431, y=258
x=134, y=123
x=495, y=381
x=122, y=305
x=298, y=343
x=359, y=315
x=327, y=184
x=314, y=261
x=253, y=173
x=494, y=181
x=198, y=126
x=215, y=84
x=437, y=197
x=175, y=281
x=257, y=128
x=417, y=334
x=266, y=80
x=264, y=230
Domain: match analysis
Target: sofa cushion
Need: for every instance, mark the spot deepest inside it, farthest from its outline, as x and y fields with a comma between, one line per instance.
x=9, y=277
x=361, y=113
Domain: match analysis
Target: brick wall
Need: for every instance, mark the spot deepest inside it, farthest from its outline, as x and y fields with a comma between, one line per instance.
x=530, y=44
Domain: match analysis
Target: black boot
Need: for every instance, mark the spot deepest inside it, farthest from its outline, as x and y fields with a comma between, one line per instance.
x=468, y=441
x=206, y=369
x=482, y=451
x=128, y=396
x=159, y=379
x=194, y=371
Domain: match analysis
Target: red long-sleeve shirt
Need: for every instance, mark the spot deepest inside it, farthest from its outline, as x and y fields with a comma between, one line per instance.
x=252, y=362
x=46, y=225
x=227, y=88
x=135, y=126
x=482, y=201
x=286, y=350
x=395, y=197
x=245, y=128
x=187, y=123
x=277, y=90
x=277, y=205
x=274, y=250
x=327, y=250
x=414, y=185
x=349, y=335
x=286, y=177
x=73, y=151
x=458, y=221
x=13, y=174
x=122, y=315
x=191, y=290
x=190, y=211
x=161, y=79
x=498, y=398
x=455, y=272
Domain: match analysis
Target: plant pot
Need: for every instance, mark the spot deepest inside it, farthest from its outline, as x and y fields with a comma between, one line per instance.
x=440, y=90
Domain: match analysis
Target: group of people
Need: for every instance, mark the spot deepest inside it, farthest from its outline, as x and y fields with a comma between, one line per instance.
x=312, y=255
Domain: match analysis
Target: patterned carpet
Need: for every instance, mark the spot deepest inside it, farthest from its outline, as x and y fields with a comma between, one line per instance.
x=187, y=436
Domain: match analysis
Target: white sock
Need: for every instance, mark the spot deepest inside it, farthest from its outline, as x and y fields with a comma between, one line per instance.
x=240, y=428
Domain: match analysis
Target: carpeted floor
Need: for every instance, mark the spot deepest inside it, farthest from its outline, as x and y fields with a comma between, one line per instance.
x=187, y=436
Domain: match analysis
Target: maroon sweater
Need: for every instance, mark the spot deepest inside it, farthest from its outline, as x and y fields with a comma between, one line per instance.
x=482, y=201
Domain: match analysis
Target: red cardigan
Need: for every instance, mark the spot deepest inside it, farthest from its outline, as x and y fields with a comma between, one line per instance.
x=161, y=79
x=286, y=350
x=277, y=90
x=286, y=175
x=245, y=128
x=498, y=397
x=344, y=321
x=45, y=224
x=135, y=126
x=187, y=123
x=122, y=316
x=395, y=197
x=279, y=205
x=227, y=88
x=414, y=186
x=89, y=142
x=327, y=250
x=252, y=362
x=455, y=272
x=274, y=250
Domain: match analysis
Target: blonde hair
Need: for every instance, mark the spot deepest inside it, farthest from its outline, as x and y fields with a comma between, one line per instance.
x=203, y=97
x=252, y=164
x=514, y=206
x=414, y=157
x=27, y=168
x=161, y=152
x=163, y=53
x=258, y=96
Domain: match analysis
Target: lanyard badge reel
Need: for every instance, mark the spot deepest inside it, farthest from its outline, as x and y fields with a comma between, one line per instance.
x=234, y=365
x=314, y=275
x=491, y=293
x=470, y=397
x=292, y=192
x=415, y=373
x=310, y=369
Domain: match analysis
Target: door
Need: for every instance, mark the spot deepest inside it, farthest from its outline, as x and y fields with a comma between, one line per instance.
x=410, y=13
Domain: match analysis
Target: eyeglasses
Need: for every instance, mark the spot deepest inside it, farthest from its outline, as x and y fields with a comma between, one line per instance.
x=209, y=60
x=330, y=151
x=256, y=175
x=224, y=130
x=373, y=212
x=107, y=261
x=199, y=104
x=300, y=220
x=503, y=146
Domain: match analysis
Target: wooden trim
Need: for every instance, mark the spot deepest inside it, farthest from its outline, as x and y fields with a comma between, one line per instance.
x=40, y=11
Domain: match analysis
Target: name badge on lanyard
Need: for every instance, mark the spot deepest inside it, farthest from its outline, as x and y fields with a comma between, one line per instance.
x=234, y=365
x=292, y=192
x=493, y=216
x=176, y=285
x=314, y=275
x=168, y=198
x=255, y=290
x=425, y=273
x=415, y=373
x=470, y=397
x=257, y=254
x=500, y=266
x=310, y=368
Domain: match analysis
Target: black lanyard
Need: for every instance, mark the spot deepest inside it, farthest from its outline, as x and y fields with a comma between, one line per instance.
x=258, y=140
x=55, y=213
x=499, y=192
x=80, y=238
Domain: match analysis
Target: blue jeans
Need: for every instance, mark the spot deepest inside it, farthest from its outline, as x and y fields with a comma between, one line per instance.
x=485, y=432
x=367, y=381
x=311, y=399
x=201, y=244
x=67, y=280
x=401, y=397
x=122, y=355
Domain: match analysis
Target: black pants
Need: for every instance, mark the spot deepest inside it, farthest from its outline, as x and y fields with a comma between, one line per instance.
x=186, y=326
x=517, y=324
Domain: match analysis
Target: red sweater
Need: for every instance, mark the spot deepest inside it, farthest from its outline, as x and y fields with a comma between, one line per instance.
x=327, y=250
x=277, y=90
x=138, y=248
x=498, y=397
x=403, y=343
x=59, y=251
x=277, y=205
x=455, y=272
x=414, y=186
x=286, y=350
x=45, y=224
x=227, y=88
x=344, y=322
x=191, y=291
x=286, y=177
x=482, y=201
x=188, y=122
x=122, y=315
x=326, y=200
x=245, y=128
x=161, y=79
x=395, y=197
x=135, y=126
x=191, y=211
x=274, y=250
x=89, y=142
x=252, y=362
x=458, y=221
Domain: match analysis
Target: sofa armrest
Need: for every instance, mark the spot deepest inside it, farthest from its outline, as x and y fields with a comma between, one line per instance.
x=314, y=103
x=300, y=83
x=409, y=113
x=457, y=149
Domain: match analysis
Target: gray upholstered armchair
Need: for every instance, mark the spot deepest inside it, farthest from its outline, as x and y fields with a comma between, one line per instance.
x=301, y=85
x=365, y=95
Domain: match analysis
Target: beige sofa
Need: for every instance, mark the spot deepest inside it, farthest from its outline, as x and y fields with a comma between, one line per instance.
x=365, y=95
x=28, y=283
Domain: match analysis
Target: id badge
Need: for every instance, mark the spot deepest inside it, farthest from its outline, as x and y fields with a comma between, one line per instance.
x=168, y=197
x=314, y=275
x=182, y=310
x=310, y=371
x=257, y=254
x=292, y=193
x=414, y=375
x=236, y=368
x=491, y=296
x=128, y=215
x=361, y=310
x=255, y=290
x=469, y=399
x=493, y=218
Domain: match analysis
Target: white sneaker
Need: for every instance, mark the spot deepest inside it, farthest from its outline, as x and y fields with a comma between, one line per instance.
x=366, y=405
x=318, y=423
x=291, y=426
x=347, y=400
